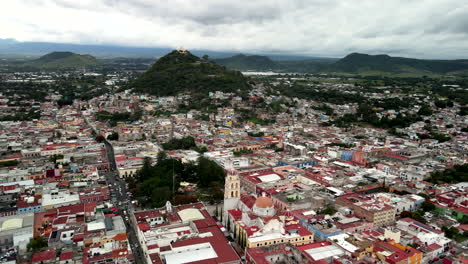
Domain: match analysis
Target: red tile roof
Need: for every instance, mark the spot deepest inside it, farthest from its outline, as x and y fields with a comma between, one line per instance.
x=397, y=253
x=144, y=227
x=219, y=243
x=236, y=214
x=66, y=255
x=45, y=255
x=22, y=203
x=120, y=237
x=248, y=200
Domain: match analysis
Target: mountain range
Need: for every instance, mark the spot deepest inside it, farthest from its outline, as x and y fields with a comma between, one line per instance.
x=364, y=63
x=354, y=63
x=264, y=63
x=244, y=62
x=14, y=48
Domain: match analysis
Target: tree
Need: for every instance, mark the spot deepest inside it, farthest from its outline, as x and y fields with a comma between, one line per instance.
x=9, y=163
x=256, y=134
x=161, y=157
x=425, y=110
x=424, y=195
x=440, y=104
x=200, y=149
x=418, y=217
x=216, y=192
x=154, y=183
x=221, y=215
x=185, y=199
x=205, y=58
x=160, y=195
x=146, y=171
x=100, y=138
x=427, y=206
x=209, y=171
x=187, y=142
x=406, y=214
x=113, y=136
x=450, y=232
x=463, y=220
x=463, y=111
x=414, y=245
x=55, y=157
x=459, y=173
x=441, y=138
x=328, y=210
x=36, y=244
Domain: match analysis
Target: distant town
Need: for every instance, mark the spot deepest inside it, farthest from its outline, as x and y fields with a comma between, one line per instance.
x=126, y=162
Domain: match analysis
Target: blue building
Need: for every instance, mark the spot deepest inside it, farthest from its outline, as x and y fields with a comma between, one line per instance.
x=347, y=155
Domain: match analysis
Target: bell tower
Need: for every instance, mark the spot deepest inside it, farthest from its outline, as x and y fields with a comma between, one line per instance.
x=231, y=194
x=232, y=185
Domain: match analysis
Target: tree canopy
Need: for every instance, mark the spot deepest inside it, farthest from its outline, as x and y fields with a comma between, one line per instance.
x=457, y=174
x=36, y=244
x=154, y=183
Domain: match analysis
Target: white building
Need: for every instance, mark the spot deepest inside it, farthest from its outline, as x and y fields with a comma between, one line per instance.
x=56, y=199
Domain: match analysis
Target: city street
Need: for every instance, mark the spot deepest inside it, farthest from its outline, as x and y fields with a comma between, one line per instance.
x=121, y=198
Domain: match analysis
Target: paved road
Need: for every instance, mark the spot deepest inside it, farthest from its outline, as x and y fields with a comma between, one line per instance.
x=122, y=199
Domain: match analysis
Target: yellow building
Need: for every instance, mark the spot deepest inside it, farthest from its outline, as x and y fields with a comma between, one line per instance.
x=394, y=253
x=274, y=232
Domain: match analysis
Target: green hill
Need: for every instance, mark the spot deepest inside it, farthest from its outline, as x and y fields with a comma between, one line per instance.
x=305, y=66
x=264, y=63
x=245, y=63
x=63, y=59
x=364, y=63
x=181, y=71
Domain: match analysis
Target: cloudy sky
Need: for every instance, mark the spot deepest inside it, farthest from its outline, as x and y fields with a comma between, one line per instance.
x=416, y=28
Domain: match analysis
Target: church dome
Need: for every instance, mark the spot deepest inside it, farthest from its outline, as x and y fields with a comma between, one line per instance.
x=263, y=202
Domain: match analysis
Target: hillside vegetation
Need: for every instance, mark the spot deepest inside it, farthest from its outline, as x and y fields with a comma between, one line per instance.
x=354, y=63
x=181, y=71
x=243, y=62
x=264, y=63
x=364, y=63
x=60, y=60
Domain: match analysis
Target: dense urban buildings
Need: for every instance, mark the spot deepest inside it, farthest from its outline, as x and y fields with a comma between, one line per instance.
x=288, y=168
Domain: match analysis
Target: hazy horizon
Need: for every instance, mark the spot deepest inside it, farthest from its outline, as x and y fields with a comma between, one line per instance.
x=428, y=29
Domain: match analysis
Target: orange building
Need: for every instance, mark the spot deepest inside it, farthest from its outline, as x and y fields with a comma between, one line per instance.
x=394, y=253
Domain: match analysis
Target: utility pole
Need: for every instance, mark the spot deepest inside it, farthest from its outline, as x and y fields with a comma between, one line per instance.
x=173, y=178
x=172, y=128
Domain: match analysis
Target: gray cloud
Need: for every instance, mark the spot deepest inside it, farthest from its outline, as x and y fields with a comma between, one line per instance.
x=422, y=28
